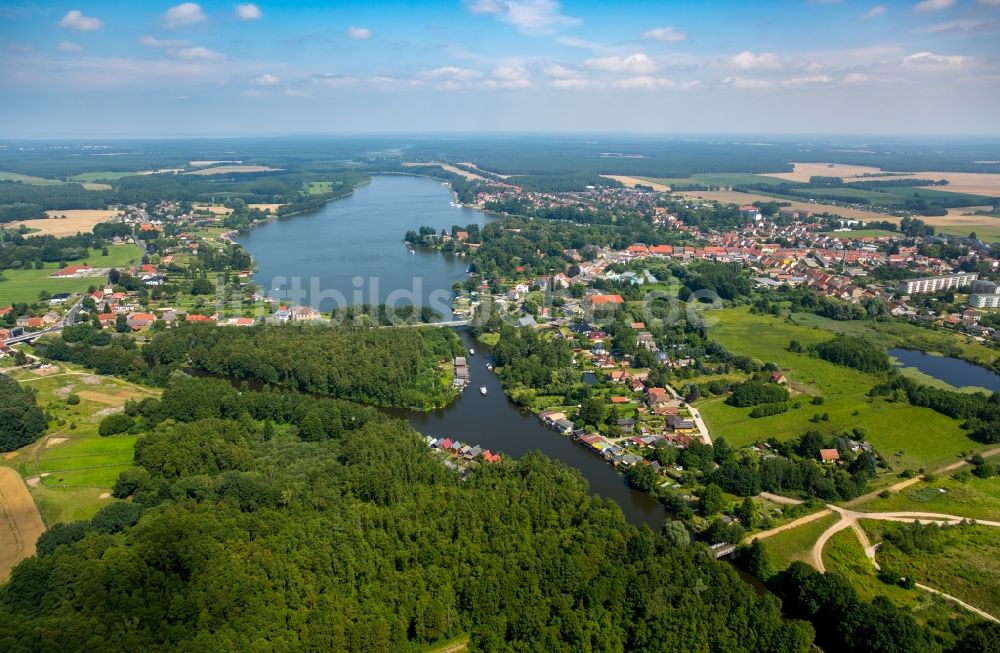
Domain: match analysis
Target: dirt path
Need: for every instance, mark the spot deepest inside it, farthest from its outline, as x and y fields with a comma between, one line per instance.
x=777, y=498
x=20, y=522
x=790, y=525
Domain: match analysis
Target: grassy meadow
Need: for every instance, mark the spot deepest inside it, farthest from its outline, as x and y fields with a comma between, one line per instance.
x=796, y=544
x=976, y=498
x=906, y=436
x=71, y=469
x=24, y=285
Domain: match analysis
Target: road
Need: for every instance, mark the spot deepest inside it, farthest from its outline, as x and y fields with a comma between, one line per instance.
x=695, y=416
x=68, y=320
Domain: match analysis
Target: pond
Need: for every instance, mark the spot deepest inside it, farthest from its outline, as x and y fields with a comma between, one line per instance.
x=953, y=371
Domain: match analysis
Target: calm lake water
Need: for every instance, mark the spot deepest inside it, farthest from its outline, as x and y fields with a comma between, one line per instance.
x=361, y=235
x=351, y=251
x=953, y=371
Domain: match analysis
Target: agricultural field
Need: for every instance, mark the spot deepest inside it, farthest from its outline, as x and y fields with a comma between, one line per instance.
x=862, y=233
x=890, y=425
x=89, y=177
x=231, y=169
x=28, y=179
x=724, y=179
x=24, y=285
x=737, y=197
x=71, y=469
x=972, y=183
x=960, y=560
x=67, y=222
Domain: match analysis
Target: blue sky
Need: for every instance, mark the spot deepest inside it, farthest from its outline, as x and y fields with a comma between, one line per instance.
x=223, y=68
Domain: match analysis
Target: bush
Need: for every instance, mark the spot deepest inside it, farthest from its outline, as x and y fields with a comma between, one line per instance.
x=114, y=424
x=73, y=400
x=854, y=352
x=753, y=393
x=766, y=410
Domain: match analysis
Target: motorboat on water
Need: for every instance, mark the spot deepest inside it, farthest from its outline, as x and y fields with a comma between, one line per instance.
x=472, y=352
x=482, y=390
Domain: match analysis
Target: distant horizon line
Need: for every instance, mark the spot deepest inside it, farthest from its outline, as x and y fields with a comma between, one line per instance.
x=507, y=134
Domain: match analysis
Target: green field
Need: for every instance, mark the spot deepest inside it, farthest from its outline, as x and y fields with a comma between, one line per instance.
x=965, y=564
x=28, y=179
x=102, y=176
x=891, y=426
x=977, y=498
x=71, y=467
x=862, y=233
x=24, y=285
x=796, y=544
x=320, y=187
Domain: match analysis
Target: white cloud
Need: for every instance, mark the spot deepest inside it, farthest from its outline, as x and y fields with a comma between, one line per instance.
x=510, y=73
x=665, y=34
x=964, y=26
x=855, y=78
x=808, y=79
x=933, y=5
x=66, y=46
x=452, y=73
x=153, y=42
x=929, y=59
x=637, y=63
x=266, y=80
x=248, y=12
x=572, y=84
x=876, y=11
x=359, y=33
x=528, y=16
x=644, y=82
x=743, y=82
x=198, y=53
x=747, y=60
x=75, y=19
x=507, y=84
x=562, y=72
x=186, y=13
x=336, y=81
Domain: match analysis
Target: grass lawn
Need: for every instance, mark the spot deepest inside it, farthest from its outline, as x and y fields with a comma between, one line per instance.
x=24, y=285
x=28, y=179
x=795, y=544
x=906, y=436
x=978, y=498
x=102, y=176
x=320, y=187
x=964, y=563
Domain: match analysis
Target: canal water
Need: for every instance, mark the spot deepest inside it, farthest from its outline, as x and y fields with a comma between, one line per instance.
x=953, y=371
x=352, y=252
x=360, y=235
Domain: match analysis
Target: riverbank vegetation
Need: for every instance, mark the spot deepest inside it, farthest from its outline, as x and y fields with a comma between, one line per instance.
x=422, y=555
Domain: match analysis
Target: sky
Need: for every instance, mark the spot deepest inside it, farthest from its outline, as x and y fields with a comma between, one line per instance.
x=152, y=69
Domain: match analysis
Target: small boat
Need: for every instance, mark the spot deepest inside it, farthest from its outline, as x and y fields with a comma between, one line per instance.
x=472, y=352
x=489, y=366
x=482, y=390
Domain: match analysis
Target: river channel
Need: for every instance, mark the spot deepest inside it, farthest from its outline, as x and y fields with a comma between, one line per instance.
x=361, y=236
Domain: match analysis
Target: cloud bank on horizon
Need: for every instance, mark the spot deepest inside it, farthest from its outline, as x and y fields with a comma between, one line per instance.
x=203, y=68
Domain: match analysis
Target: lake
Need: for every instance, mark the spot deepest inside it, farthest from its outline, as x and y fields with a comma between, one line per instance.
x=352, y=252
x=953, y=371
x=361, y=236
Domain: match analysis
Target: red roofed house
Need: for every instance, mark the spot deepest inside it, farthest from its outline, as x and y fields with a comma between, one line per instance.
x=619, y=400
x=106, y=318
x=140, y=320
x=4, y=311
x=71, y=271
x=662, y=250
x=829, y=455
x=602, y=300
x=199, y=319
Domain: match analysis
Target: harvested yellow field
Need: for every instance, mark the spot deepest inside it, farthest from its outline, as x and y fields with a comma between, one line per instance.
x=201, y=164
x=735, y=197
x=214, y=209
x=973, y=183
x=632, y=182
x=117, y=399
x=445, y=166
x=75, y=220
x=266, y=207
x=20, y=523
x=95, y=185
x=225, y=170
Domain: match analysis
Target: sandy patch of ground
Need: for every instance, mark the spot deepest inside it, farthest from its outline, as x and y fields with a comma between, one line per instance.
x=45, y=370
x=76, y=220
x=53, y=442
x=470, y=164
x=20, y=522
x=64, y=391
x=225, y=170
x=112, y=410
x=803, y=171
x=448, y=167
x=116, y=399
x=104, y=495
x=635, y=181
x=735, y=197
x=34, y=481
x=90, y=379
x=9, y=455
x=266, y=207
x=95, y=185
x=202, y=164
